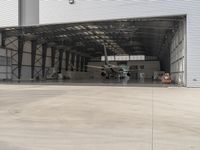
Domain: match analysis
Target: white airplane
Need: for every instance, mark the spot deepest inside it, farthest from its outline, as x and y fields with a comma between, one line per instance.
x=112, y=71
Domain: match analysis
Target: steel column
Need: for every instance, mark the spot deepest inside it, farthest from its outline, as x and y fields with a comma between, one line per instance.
x=53, y=54
x=86, y=63
x=82, y=63
x=60, y=60
x=20, y=55
x=44, y=54
x=66, y=60
x=3, y=38
x=72, y=61
x=77, y=62
x=33, y=55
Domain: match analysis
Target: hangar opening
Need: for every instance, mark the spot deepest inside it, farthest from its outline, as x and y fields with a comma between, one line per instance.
x=139, y=50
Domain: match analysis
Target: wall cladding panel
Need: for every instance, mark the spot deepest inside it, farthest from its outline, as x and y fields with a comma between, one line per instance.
x=48, y=61
x=27, y=47
x=9, y=13
x=26, y=59
x=5, y=65
x=49, y=52
x=52, y=11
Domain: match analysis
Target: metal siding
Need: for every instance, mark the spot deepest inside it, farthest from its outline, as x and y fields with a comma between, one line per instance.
x=193, y=51
x=8, y=13
x=54, y=11
x=177, y=55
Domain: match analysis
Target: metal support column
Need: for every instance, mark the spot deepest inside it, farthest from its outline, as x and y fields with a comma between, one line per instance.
x=20, y=55
x=72, y=61
x=53, y=54
x=33, y=55
x=44, y=54
x=86, y=63
x=77, y=62
x=82, y=63
x=60, y=60
x=66, y=60
x=3, y=38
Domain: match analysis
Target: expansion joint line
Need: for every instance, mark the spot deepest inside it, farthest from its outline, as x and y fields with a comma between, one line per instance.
x=153, y=118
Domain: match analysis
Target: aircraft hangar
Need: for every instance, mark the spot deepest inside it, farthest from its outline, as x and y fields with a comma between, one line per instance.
x=147, y=45
x=65, y=51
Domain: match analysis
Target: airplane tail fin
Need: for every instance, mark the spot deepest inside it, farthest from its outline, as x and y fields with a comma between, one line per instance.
x=106, y=55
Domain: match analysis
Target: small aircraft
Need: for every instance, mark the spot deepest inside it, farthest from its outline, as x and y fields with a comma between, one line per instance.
x=112, y=71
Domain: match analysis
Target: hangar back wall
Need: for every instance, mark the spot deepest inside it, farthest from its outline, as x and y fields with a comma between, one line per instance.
x=53, y=11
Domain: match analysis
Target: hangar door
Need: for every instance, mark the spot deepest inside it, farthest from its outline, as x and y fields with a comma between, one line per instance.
x=141, y=47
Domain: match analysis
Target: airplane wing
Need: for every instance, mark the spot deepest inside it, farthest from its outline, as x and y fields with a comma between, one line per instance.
x=96, y=67
x=115, y=67
x=134, y=70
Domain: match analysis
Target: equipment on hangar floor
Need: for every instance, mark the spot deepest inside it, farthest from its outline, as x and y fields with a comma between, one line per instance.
x=166, y=79
x=113, y=71
x=142, y=76
x=158, y=75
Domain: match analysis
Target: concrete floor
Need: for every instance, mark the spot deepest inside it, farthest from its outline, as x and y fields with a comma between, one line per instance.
x=96, y=82
x=52, y=117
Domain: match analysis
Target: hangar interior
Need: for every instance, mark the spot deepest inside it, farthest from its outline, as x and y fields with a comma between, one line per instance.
x=64, y=51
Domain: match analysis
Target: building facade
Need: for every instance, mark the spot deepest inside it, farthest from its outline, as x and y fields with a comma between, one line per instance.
x=41, y=12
